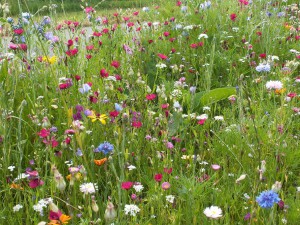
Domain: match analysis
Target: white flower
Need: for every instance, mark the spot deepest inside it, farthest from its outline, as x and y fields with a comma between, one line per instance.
x=274, y=84
x=213, y=212
x=17, y=208
x=242, y=177
x=298, y=189
x=88, y=188
x=21, y=176
x=202, y=36
x=145, y=9
x=132, y=210
x=11, y=168
x=85, y=88
x=219, y=118
x=138, y=187
x=170, y=198
x=41, y=205
x=161, y=65
x=206, y=108
x=202, y=117
x=131, y=167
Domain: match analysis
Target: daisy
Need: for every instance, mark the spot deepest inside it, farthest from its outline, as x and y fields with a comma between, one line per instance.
x=213, y=212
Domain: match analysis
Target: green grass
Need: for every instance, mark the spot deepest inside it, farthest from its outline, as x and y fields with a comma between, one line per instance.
x=232, y=119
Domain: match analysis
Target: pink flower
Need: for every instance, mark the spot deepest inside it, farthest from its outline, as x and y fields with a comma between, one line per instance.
x=165, y=185
x=136, y=124
x=162, y=56
x=126, y=185
x=151, y=97
x=44, y=133
x=103, y=73
x=158, y=177
x=18, y=31
x=115, y=64
x=168, y=170
x=233, y=16
x=89, y=10
x=215, y=167
x=35, y=183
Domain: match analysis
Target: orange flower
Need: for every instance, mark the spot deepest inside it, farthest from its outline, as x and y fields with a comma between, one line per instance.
x=64, y=219
x=16, y=186
x=280, y=91
x=54, y=222
x=100, y=162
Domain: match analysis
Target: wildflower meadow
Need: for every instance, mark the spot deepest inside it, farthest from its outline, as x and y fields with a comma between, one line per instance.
x=175, y=112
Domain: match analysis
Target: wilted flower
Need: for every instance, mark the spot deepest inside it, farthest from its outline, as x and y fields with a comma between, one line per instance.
x=110, y=212
x=242, y=177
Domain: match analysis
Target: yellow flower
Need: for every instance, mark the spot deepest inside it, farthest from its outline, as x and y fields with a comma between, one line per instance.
x=100, y=117
x=50, y=60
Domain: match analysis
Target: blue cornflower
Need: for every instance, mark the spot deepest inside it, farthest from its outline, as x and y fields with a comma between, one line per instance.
x=266, y=199
x=105, y=147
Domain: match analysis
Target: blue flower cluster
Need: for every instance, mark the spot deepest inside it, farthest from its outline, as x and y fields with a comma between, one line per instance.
x=266, y=199
x=105, y=147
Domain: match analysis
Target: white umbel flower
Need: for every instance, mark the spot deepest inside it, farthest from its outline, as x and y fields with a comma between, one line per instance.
x=213, y=212
x=170, y=198
x=138, y=187
x=17, y=208
x=131, y=210
x=88, y=188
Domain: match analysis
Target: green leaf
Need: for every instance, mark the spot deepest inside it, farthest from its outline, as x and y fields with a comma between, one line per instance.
x=2, y=20
x=216, y=95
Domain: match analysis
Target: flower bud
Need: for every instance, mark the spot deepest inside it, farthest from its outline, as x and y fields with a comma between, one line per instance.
x=110, y=212
x=95, y=207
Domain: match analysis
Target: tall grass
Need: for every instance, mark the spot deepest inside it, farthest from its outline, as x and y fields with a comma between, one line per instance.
x=190, y=114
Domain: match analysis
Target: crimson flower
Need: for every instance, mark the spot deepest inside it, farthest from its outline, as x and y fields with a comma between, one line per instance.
x=151, y=97
x=18, y=31
x=162, y=56
x=158, y=177
x=44, y=133
x=115, y=64
x=233, y=16
x=136, y=124
x=103, y=73
x=126, y=185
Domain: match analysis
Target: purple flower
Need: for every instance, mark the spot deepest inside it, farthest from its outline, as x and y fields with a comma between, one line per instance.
x=266, y=199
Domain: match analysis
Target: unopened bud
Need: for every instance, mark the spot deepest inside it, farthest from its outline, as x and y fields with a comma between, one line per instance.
x=110, y=212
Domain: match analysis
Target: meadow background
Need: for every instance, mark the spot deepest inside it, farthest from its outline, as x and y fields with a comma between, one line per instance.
x=150, y=112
